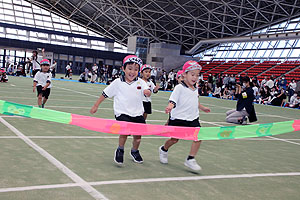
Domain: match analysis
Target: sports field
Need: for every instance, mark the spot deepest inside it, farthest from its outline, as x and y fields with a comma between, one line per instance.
x=47, y=160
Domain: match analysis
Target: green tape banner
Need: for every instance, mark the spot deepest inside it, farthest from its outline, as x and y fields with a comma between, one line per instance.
x=126, y=128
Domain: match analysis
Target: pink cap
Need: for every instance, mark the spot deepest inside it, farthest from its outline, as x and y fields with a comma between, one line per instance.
x=191, y=65
x=179, y=73
x=133, y=59
x=45, y=62
x=146, y=67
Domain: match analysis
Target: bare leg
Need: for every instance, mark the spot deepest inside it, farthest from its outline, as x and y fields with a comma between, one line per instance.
x=136, y=142
x=195, y=147
x=170, y=142
x=44, y=100
x=40, y=100
x=145, y=115
x=122, y=140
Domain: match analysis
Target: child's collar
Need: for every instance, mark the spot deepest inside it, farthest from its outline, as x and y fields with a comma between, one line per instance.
x=122, y=78
x=185, y=85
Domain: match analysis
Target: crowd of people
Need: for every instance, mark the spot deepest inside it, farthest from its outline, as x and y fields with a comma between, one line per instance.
x=270, y=91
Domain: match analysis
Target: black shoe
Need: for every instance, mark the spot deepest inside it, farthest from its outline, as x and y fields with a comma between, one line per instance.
x=43, y=105
x=136, y=156
x=119, y=156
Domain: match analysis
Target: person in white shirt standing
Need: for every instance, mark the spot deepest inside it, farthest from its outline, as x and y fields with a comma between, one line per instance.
x=69, y=71
x=42, y=82
x=146, y=74
x=184, y=108
x=35, y=60
x=154, y=75
x=128, y=92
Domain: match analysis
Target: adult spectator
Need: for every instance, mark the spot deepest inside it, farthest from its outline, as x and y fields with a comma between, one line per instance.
x=53, y=68
x=35, y=60
x=154, y=75
x=69, y=70
x=282, y=83
x=279, y=99
x=270, y=83
x=264, y=81
x=171, y=78
x=244, y=107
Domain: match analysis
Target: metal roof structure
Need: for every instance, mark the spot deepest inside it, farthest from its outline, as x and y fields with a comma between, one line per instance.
x=184, y=22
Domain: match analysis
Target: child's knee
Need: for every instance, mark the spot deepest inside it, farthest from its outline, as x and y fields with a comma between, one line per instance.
x=137, y=138
x=40, y=97
x=174, y=140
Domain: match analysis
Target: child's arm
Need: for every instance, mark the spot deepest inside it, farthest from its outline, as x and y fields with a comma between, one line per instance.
x=46, y=86
x=147, y=93
x=169, y=107
x=96, y=105
x=203, y=108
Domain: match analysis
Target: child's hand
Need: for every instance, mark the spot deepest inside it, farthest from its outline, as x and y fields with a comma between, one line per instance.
x=147, y=93
x=168, y=109
x=205, y=109
x=94, y=109
x=156, y=87
x=44, y=88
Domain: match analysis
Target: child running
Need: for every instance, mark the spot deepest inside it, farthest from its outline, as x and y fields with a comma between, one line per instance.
x=128, y=92
x=42, y=81
x=184, y=108
x=146, y=75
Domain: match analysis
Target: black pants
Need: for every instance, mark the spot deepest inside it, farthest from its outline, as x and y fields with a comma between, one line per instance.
x=127, y=118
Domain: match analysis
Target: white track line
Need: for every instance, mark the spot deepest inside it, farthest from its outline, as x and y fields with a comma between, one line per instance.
x=78, y=92
x=77, y=179
x=283, y=140
x=149, y=180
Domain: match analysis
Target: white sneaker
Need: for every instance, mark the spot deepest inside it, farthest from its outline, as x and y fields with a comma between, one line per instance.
x=191, y=163
x=163, y=156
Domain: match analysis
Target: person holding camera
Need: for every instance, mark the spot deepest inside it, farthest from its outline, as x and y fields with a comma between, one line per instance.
x=244, y=107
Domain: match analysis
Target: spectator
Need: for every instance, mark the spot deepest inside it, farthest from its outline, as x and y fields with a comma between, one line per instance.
x=3, y=76
x=217, y=92
x=171, y=78
x=244, y=107
x=282, y=83
x=279, y=99
x=291, y=88
x=154, y=75
x=53, y=69
x=69, y=71
x=270, y=83
x=264, y=81
x=82, y=77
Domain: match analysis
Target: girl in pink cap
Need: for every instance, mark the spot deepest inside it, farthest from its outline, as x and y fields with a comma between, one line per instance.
x=184, y=108
x=42, y=82
x=146, y=75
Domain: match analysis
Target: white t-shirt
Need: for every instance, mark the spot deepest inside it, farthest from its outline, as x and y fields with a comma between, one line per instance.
x=154, y=72
x=293, y=85
x=186, y=103
x=95, y=68
x=151, y=87
x=270, y=84
x=255, y=89
x=128, y=97
x=36, y=62
x=42, y=78
x=171, y=76
x=68, y=67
